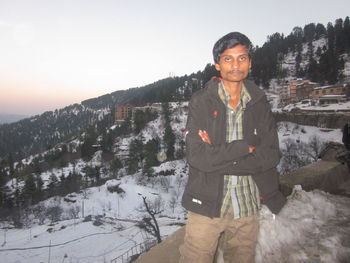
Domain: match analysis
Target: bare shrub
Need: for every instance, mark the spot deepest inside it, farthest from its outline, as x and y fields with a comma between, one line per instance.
x=54, y=213
x=173, y=202
x=40, y=213
x=298, y=154
x=115, y=189
x=314, y=148
x=165, y=182
x=150, y=224
x=74, y=212
x=293, y=156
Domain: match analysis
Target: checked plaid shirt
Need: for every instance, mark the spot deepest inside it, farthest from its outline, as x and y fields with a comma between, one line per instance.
x=240, y=192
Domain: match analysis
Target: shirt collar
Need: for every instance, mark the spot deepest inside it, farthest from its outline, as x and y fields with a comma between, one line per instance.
x=225, y=97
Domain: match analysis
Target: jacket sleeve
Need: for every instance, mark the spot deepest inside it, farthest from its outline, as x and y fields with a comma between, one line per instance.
x=203, y=156
x=266, y=154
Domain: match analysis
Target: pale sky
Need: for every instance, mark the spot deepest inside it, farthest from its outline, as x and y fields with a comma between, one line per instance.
x=54, y=53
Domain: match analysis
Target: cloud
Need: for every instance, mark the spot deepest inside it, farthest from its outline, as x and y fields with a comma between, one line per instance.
x=23, y=35
x=5, y=24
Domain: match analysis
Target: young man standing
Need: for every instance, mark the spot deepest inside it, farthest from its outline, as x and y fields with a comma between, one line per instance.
x=232, y=150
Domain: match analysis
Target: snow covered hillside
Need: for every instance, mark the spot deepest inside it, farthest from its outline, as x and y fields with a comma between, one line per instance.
x=288, y=62
x=104, y=224
x=99, y=224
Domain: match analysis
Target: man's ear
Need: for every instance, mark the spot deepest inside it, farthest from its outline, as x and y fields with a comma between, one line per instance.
x=217, y=67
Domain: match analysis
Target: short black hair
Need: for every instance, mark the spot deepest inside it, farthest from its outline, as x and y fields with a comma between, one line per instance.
x=229, y=41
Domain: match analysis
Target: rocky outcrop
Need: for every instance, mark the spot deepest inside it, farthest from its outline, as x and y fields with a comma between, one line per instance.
x=328, y=174
x=323, y=175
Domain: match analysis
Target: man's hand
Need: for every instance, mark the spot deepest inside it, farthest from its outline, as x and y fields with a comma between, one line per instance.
x=251, y=149
x=204, y=136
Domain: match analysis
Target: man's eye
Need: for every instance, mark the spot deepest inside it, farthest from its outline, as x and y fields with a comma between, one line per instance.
x=243, y=58
x=227, y=59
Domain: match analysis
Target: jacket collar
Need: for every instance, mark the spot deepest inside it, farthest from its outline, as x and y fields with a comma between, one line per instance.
x=253, y=90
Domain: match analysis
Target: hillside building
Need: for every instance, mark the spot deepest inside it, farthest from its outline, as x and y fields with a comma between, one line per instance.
x=299, y=90
x=293, y=86
x=122, y=112
x=288, y=92
x=284, y=94
x=331, y=99
x=319, y=92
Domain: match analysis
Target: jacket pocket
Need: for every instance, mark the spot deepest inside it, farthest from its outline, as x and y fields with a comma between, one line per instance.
x=202, y=185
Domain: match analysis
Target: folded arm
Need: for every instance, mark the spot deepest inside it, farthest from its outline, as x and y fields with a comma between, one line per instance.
x=200, y=153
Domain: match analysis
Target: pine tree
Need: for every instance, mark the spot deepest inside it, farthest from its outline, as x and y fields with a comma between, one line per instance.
x=298, y=69
x=141, y=118
x=11, y=166
x=309, y=32
x=3, y=181
x=320, y=31
x=135, y=158
x=151, y=149
x=169, y=136
x=39, y=186
x=29, y=190
x=169, y=141
x=115, y=166
x=312, y=71
x=107, y=141
x=87, y=149
x=340, y=37
x=53, y=184
x=330, y=36
x=347, y=32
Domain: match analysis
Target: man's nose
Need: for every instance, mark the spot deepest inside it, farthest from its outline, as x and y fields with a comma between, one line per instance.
x=235, y=63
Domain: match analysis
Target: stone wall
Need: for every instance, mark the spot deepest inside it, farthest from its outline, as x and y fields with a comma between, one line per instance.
x=323, y=120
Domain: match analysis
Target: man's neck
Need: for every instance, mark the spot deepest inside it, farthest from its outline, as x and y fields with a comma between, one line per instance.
x=233, y=88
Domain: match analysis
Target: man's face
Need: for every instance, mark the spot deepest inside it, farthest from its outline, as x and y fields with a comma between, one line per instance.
x=234, y=64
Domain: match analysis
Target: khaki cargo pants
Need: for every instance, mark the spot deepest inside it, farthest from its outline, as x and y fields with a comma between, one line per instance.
x=202, y=234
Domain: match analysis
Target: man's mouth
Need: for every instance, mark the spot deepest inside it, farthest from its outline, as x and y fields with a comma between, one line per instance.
x=235, y=72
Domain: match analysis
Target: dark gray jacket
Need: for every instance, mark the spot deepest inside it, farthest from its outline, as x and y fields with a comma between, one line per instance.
x=209, y=163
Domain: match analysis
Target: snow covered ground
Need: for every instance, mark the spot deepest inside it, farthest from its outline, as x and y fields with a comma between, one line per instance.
x=108, y=233
x=303, y=133
x=312, y=227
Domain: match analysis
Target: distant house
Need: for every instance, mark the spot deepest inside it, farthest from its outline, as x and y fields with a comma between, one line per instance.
x=153, y=107
x=303, y=90
x=122, y=112
x=319, y=92
x=293, y=86
x=332, y=99
x=295, y=90
x=284, y=94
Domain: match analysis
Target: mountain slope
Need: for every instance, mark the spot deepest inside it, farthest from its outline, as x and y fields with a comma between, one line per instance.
x=8, y=118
